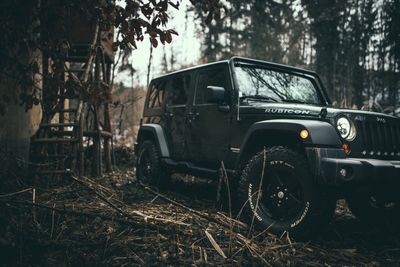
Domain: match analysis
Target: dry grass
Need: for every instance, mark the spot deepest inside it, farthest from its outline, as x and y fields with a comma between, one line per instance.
x=114, y=221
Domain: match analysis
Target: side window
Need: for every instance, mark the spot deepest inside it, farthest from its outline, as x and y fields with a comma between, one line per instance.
x=212, y=76
x=156, y=95
x=176, y=90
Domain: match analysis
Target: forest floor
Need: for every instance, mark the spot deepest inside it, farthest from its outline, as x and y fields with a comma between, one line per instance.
x=114, y=221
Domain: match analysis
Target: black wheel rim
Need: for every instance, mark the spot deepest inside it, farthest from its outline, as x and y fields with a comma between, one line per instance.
x=145, y=167
x=282, y=194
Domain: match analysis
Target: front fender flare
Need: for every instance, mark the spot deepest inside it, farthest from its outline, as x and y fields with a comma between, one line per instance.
x=321, y=133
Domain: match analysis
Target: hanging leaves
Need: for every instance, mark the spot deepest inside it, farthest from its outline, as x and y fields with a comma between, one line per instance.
x=154, y=42
x=136, y=20
x=168, y=37
x=132, y=19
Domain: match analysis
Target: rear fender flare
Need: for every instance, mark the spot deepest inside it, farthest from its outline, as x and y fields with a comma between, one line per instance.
x=158, y=134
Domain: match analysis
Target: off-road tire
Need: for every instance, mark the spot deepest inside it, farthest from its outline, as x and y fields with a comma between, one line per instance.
x=311, y=216
x=149, y=169
x=365, y=206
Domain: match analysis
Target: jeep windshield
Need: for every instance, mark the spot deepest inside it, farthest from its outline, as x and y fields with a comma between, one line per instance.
x=261, y=84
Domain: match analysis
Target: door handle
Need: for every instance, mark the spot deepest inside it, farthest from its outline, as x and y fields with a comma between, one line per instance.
x=192, y=116
x=169, y=114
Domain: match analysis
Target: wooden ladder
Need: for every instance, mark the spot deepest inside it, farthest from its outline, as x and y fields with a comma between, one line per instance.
x=71, y=125
x=54, y=147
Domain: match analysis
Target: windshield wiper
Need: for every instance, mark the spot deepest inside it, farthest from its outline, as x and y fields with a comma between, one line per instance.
x=259, y=97
x=294, y=101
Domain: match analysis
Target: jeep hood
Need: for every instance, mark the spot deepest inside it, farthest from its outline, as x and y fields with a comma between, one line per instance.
x=302, y=110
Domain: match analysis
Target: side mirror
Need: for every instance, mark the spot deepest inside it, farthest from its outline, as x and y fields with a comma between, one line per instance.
x=215, y=94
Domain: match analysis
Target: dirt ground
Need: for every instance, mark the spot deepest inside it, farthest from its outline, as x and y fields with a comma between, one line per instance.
x=114, y=221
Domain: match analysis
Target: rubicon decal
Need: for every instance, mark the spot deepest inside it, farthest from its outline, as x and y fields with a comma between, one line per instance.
x=382, y=120
x=287, y=111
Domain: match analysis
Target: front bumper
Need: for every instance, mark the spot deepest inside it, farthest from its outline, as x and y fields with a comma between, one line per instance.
x=331, y=166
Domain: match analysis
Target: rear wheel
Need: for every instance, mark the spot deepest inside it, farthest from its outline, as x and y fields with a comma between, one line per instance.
x=149, y=168
x=278, y=192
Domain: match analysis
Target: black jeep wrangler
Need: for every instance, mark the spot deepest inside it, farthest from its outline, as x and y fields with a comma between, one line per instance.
x=287, y=152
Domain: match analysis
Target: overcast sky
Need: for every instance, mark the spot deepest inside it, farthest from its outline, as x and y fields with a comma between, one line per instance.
x=186, y=48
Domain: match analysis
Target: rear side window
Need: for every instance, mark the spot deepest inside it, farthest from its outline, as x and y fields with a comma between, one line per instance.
x=212, y=76
x=156, y=95
x=177, y=90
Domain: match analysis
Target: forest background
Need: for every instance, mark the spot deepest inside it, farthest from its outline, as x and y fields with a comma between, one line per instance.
x=354, y=46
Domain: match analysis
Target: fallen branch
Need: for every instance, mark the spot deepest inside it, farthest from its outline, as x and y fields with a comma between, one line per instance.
x=248, y=242
x=147, y=218
x=234, y=221
x=198, y=213
x=16, y=193
x=90, y=186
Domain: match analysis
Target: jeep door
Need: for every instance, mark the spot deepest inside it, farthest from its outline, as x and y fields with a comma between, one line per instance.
x=208, y=125
x=175, y=114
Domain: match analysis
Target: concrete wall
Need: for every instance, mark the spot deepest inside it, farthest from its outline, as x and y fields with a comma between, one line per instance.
x=16, y=125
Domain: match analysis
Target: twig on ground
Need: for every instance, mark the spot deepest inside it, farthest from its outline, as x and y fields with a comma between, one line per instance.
x=198, y=213
x=16, y=193
x=228, y=189
x=259, y=193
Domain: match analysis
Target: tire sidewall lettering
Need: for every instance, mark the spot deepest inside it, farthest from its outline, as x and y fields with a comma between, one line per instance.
x=281, y=162
x=303, y=215
x=251, y=204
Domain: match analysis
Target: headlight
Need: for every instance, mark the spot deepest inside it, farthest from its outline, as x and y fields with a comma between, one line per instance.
x=346, y=128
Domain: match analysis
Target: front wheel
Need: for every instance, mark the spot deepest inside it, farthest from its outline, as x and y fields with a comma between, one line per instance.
x=374, y=204
x=278, y=193
x=149, y=168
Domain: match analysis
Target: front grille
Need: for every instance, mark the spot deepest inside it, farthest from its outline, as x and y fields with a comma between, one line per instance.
x=377, y=138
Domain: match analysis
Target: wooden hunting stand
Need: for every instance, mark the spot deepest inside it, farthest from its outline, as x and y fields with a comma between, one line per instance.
x=75, y=132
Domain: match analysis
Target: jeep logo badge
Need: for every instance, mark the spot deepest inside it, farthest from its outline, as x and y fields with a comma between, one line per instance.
x=380, y=120
x=287, y=111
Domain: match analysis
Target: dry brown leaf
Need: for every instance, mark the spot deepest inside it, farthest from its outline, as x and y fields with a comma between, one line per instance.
x=215, y=244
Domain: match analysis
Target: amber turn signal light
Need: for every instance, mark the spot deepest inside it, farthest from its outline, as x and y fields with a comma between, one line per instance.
x=346, y=148
x=304, y=134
